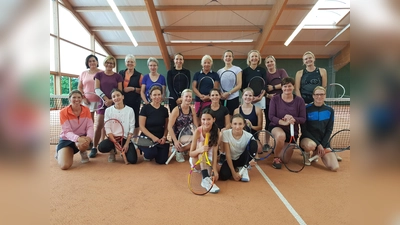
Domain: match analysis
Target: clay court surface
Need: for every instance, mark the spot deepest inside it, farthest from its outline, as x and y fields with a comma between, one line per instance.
x=147, y=193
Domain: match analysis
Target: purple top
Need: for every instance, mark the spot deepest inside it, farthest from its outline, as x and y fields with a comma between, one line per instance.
x=275, y=79
x=279, y=108
x=108, y=83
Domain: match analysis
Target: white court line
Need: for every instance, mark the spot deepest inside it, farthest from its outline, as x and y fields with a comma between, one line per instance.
x=281, y=197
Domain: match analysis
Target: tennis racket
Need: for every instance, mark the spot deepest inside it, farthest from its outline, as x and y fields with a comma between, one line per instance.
x=339, y=142
x=114, y=127
x=336, y=90
x=185, y=138
x=180, y=83
x=92, y=97
x=265, y=145
x=196, y=183
x=152, y=85
x=228, y=81
x=144, y=141
x=258, y=85
x=293, y=156
x=205, y=85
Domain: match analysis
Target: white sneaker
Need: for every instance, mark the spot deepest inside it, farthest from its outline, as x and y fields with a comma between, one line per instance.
x=84, y=157
x=179, y=157
x=244, y=173
x=339, y=159
x=307, y=157
x=206, y=183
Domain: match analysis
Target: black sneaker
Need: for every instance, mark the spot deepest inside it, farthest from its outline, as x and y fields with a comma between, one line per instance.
x=222, y=158
x=277, y=164
x=93, y=153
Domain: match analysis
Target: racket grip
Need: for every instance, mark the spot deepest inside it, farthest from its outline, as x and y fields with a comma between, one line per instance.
x=292, y=130
x=170, y=157
x=206, y=139
x=313, y=158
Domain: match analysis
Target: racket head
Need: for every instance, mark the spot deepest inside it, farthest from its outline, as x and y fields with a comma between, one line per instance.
x=228, y=80
x=257, y=84
x=196, y=183
x=114, y=127
x=152, y=85
x=186, y=135
x=92, y=97
x=340, y=141
x=180, y=82
x=144, y=141
x=205, y=85
x=294, y=157
x=266, y=144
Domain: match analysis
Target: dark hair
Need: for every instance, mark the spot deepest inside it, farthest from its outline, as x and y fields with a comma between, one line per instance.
x=217, y=90
x=87, y=60
x=116, y=89
x=287, y=80
x=214, y=129
x=237, y=115
x=74, y=92
x=226, y=52
x=155, y=87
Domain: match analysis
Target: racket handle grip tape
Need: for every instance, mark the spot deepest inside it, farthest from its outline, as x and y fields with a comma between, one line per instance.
x=292, y=130
x=207, y=138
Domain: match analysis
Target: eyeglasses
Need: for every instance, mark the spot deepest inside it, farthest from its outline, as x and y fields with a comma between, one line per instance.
x=319, y=95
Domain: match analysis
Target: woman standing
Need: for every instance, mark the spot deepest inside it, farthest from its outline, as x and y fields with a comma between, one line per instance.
x=152, y=79
x=309, y=78
x=132, y=84
x=285, y=109
x=178, y=61
x=231, y=96
x=86, y=82
x=105, y=82
x=126, y=116
x=153, y=122
x=202, y=98
x=274, y=80
x=253, y=70
x=76, y=131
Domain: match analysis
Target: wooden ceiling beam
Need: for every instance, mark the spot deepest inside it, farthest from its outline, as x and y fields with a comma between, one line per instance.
x=269, y=43
x=176, y=8
x=157, y=30
x=273, y=17
x=211, y=29
x=341, y=59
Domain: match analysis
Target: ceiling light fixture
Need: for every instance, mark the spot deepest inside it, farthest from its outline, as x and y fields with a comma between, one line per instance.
x=213, y=41
x=301, y=25
x=338, y=34
x=122, y=21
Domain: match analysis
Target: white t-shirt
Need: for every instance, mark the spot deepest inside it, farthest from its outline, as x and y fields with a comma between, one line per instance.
x=237, y=146
x=125, y=115
x=236, y=70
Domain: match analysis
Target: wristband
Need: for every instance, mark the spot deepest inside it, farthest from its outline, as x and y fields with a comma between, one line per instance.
x=273, y=87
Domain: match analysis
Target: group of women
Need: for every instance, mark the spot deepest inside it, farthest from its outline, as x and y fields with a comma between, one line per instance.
x=123, y=94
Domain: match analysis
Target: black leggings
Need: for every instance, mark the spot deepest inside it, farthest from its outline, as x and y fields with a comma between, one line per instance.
x=106, y=146
x=244, y=159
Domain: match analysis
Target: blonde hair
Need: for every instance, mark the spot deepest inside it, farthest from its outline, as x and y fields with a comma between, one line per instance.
x=205, y=57
x=108, y=58
x=248, y=57
x=186, y=90
x=319, y=88
x=248, y=89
